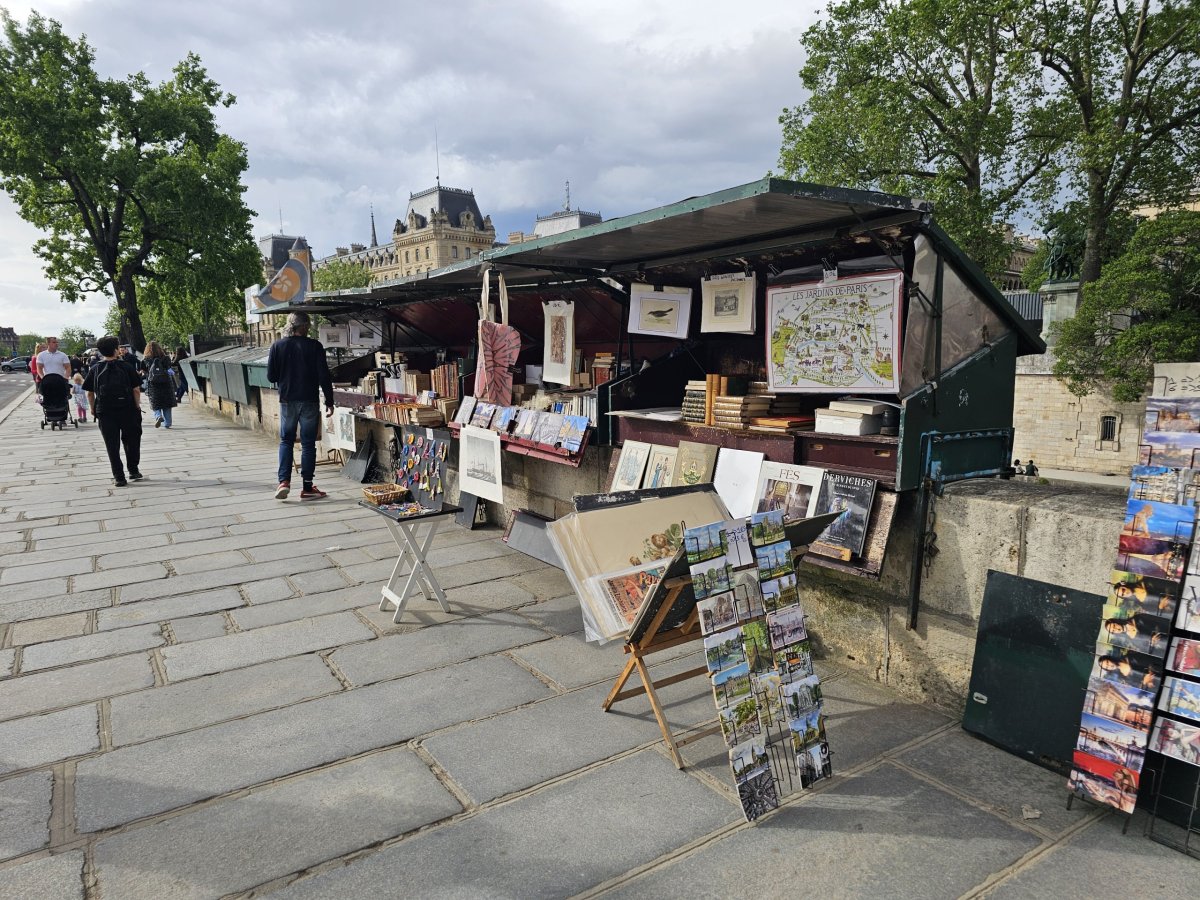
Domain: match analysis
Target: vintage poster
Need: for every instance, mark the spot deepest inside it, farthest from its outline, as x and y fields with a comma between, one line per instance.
x=630, y=466
x=663, y=313
x=727, y=304
x=559, y=343
x=852, y=496
x=479, y=464
x=624, y=593
x=694, y=464
x=842, y=335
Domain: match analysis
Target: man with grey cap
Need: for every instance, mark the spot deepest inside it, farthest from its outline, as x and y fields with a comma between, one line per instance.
x=297, y=366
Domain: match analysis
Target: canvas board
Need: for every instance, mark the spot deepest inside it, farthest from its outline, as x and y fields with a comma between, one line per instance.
x=727, y=304
x=631, y=466
x=664, y=313
x=559, y=342
x=660, y=466
x=787, y=487
x=842, y=335
x=333, y=336
x=479, y=464
x=736, y=478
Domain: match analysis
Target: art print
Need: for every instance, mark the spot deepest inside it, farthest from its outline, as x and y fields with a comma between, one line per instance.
x=786, y=627
x=704, y=542
x=465, y=407
x=758, y=795
x=731, y=686
x=757, y=645
x=503, y=419
x=801, y=697
x=774, y=560
x=835, y=337
x=547, y=428
x=1180, y=698
x=630, y=466
x=794, y=663
x=712, y=576
x=768, y=688
x=333, y=337
x=524, y=426
x=790, y=489
x=662, y=313
x=1184, y=657
x=1177, y=414
x=780, y=593
x=766, y=528
x=739, y=722
x=480, y=465
x=572, y=433
x=659, y=467
x=727, y=304
x=366, y=334
x=717, y=613
x=748, y=760
x=1104, y=782
x=1176, y=739
x=559, y=356
x=723, y=650
x=694, y=463
x=747, y=594
x=344, y=423
x=482, y=415
x=1120, y=702
x=814, y=763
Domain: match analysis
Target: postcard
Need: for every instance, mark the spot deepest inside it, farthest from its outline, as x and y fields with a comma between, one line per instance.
x=792, y=489
x=758, y=795
x=717, y=613
x=1187, y=617
x=482, y=416
x=663, y=313
x=1140, y=593
x=757, y=645
x=766, y=528
x=659, y=467
x=801, y=696
x=704, y=542
x=774, y=560
x=503, y=419
x=1184, y=657
x=1140, y=632
x=630, y=466
x=1162, y=521
x=1104, y=782
x=724, y=650
x=1177, y=415
x=1125, y=667
x=1122, y=702
x=737, y=543
x=1180, y=450
x=740, y=721
x=1180, y=698
x=1164, y=484
x=573, y=431
x=1176, y=739
x=794, y=663
x=768, y=688
x=1111, y=740
x=807, y=729
x=780, y=593
x=694, y=463
x=786, y=627
x=465, y=407
x=731, y=685
x=1151, y=556
x=747, y=594
x=748, y=759
x=711, y=576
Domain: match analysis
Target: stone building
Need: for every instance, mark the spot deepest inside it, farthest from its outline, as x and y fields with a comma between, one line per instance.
x=556, y=223
x=442, y=225
x=8, y=341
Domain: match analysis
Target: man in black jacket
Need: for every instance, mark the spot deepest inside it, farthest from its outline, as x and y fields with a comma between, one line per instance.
x=297, y=366
x=115, y=397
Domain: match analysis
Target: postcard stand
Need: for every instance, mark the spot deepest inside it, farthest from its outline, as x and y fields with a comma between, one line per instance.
x=1072, y=797
x=652, y=641
x=1191, y=812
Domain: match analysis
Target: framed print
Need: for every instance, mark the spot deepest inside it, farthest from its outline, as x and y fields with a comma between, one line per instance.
x=630, y=466
x=335, y=336
x=727, y=304
x=832, y=337
x=343, y=437
x=660, y=467
x=366, y=334
x=479, y=464
x=664, y=313
x=559, y=343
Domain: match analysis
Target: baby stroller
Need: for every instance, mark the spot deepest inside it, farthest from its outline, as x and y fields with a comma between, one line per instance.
x=56, y=402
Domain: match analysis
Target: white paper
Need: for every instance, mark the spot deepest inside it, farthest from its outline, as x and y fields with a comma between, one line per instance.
x=559, y=343
x=736, y=478
x=479, y=466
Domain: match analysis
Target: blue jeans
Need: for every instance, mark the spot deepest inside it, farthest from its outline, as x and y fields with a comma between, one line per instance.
x=306, y=414
x=164, y=415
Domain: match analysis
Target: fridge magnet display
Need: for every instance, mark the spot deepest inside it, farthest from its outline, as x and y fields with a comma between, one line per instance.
x=480, y=464
x=659, y=467
x=852, y=496
x=630, y=467
x=694, y=463
x=333, y=337
x=836, y=336
x=790, y=488
x=727, y=304
x=663, y=313
x=559, y=342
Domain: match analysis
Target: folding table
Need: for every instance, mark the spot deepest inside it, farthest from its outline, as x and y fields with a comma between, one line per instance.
x=406, y=532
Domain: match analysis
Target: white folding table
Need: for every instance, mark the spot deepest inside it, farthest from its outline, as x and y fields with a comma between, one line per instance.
x=413, y=545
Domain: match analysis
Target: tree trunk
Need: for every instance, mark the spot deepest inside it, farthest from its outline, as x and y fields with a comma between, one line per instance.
x=131, y=320
x=1097, y=230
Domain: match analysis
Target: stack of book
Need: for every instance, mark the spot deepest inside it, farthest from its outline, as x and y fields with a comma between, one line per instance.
x=694, y=403
x=445, y=380
x=415, y=382
x=782, y=424
x=739, y=412
x=602, y=368
x=856, y=417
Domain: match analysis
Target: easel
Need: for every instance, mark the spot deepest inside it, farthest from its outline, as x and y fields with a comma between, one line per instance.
x=651, y=642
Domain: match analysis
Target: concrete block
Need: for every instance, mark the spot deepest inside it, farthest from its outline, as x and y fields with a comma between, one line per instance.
x=37, y=740
x=558, y=616
x=132, y=782
x=268, y=590
x=199, y=628
x=35, y=631
x=186, y=565
x=502, y=852
x=283, y=828
x=59, y=877
x=73, y=685
x=137, y=576
x=872, y=835
x=7, y=659
x=933, y=661
x=328, y=579
x=148, y=611
x=304, y=607
x=24, y=816
x=166, y=710
x=200, y=581
x=17, y=610
x=1072, y=540
x=13, y=575
x=403, y=654
x=260, y=645
x=91, y=646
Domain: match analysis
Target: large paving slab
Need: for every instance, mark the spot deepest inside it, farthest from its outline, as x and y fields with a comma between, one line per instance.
x=54, y=628
x=260, y=645
x=201, y=581
x=37, y=740
x=573, y=662
x=22, y=608
x=553, y=843
x=292, y=609
x=146, y=611
x=7, y=659
x=204, y=701
x=235, y=845
x=559, y=615
x=403, y=654
x=50, y=878
x=132, y=782
x=24, y=815
x=91, y=646
x=73, y=685
x=880, y=834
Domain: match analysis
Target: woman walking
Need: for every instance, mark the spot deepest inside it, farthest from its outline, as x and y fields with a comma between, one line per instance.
x=160, y=386
x=180, y=375
x=37, y=379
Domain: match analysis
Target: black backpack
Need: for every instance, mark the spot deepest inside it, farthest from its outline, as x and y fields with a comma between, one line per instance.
x=112, y=388
x=159, y=372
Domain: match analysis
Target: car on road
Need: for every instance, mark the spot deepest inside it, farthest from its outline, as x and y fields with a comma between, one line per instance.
x=16, y=364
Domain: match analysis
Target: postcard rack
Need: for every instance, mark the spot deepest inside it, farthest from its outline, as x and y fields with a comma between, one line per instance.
x=652, y=641
x=526, y=447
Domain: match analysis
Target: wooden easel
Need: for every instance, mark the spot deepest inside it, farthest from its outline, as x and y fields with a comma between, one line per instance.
x=651, y=642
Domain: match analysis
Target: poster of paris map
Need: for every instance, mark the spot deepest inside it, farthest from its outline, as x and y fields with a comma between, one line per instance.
x=841, y=335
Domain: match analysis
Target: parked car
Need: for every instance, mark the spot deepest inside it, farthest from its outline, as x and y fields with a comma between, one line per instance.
x=16, y=364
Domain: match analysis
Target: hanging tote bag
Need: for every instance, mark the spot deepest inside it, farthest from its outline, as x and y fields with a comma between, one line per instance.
x=499, y=346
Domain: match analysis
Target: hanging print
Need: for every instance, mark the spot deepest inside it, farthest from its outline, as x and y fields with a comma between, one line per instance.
x=559, y=342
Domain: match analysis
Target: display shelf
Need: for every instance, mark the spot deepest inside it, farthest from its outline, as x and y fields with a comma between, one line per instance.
x=525, y=447
x=774, y=447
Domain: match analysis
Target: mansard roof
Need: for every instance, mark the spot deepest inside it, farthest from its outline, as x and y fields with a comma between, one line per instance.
x=451, y=201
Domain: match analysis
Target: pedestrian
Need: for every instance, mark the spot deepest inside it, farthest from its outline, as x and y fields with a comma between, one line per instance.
x=297, y=366
x=160, y=386
x=33, y=366
x=115, y=396
x=53, y=360
x=80, y=395
x=180, y=373
x=1030, y=468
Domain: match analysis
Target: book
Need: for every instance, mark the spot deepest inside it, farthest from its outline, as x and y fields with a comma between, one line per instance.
x=853, y=426
x=853, y=497
x=867, y=407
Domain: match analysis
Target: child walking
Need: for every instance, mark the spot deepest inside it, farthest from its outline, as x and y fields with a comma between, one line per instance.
x=80, y=395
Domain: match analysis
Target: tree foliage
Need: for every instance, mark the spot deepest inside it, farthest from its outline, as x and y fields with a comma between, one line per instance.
x=340, y=274
x=1144, y=308
x=131, y=181
x=26, y=343
x=73, y=340
x=1067, y=228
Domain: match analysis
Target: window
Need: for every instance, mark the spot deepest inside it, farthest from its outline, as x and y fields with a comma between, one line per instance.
x=427, y=253
x=406, y=256
x=467, y=251
x=454, y=252
x=1108, y=428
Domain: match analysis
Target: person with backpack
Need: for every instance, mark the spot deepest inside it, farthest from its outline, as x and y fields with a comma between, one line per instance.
x=297, y=365
x=160, y=383
x=115, y=395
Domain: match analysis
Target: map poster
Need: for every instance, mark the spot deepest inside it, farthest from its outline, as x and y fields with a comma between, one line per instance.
x=842, y=335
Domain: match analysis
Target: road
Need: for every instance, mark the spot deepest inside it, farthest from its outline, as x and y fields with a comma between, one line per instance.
x=13, y=385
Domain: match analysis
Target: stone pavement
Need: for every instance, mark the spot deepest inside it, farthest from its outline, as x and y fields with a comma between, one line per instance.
x=199, y=698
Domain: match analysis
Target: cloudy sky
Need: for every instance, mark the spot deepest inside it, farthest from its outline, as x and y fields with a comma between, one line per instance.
x=636, y=102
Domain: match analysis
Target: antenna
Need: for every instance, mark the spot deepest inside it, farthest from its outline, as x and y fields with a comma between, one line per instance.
x=437, y=155
x=281, y=219
x=568, y=196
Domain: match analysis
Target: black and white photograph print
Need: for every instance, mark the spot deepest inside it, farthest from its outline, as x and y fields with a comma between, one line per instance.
x=758, y=795
x=726, y=302
x=787, y=627
x=479, y=463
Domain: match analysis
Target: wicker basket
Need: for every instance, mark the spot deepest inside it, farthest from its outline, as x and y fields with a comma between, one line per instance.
x=379, y=494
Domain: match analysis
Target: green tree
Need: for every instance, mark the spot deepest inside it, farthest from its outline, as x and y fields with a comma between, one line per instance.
x=132, y=181
x=26, y=343
x=1125, y=73
x=73, y=340
x=340, y=274
x=1144, y=309
x=1067, y=228
x=934, y=98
